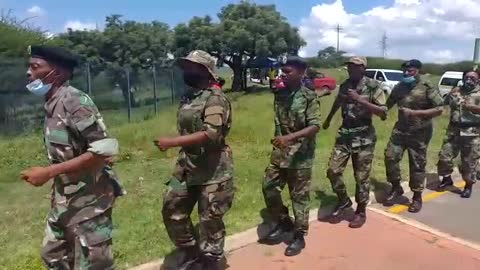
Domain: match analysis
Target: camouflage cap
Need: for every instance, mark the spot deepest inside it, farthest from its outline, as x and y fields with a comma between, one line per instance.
x=414, y=63
x=202, y=58
x=357, y=60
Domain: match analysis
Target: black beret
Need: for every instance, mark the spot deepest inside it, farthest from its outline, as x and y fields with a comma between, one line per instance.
x=55, y=55
x=414, y=63
x=296, y=61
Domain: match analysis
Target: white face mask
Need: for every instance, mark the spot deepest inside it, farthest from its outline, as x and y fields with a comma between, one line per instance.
x=38, y=88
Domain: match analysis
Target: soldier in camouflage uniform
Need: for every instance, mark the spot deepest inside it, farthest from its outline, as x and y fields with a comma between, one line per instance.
x=359, y=98
x=297, y=120
x=79, y=224
x=418, y=102
x=463, y=133
x=204, y=170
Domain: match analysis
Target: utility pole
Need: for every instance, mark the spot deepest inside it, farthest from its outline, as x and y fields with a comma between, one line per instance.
x=384, y=44
x=339, y=29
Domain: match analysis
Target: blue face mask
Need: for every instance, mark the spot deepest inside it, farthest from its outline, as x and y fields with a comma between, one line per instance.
x=38, y=88
x=409, y=80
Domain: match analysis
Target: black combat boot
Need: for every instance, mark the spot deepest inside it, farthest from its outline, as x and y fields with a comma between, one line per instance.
x=360, y=216
x=187, y=258
x=212, y=263
x=276, y=236
x=416, y=204
x=394, y=193
x=446, y=182
x=343, y=203
x=296, y=246
x=467, y=192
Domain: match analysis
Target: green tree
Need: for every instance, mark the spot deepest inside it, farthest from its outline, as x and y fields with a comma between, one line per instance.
x=121, y=46
x=329, y=57
x=245, y=31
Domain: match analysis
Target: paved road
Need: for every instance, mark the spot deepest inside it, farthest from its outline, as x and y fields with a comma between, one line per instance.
x=382, y=244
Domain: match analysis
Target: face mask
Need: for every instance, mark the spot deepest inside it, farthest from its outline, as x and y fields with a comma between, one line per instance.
x=193, y=79
x=38, y=88
x=409, y=79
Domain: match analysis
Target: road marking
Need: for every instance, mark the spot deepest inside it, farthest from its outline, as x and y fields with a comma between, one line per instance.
x=397, y=209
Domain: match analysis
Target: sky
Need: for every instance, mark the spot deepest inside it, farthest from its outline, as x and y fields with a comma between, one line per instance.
x=430, y=30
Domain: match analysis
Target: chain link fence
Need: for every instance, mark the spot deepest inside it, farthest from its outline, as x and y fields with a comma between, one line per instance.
x=123, y=95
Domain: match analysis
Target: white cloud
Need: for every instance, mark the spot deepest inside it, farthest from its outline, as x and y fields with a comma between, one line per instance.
x=36, y=11
x=431, y=30
x=78, y=25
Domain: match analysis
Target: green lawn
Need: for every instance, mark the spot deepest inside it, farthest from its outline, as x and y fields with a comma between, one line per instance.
x=140, y=234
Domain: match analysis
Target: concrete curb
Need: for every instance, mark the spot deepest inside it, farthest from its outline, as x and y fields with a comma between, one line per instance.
x=250, y=236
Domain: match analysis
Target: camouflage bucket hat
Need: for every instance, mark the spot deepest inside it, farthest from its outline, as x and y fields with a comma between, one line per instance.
x=357, y=60
x=202, y=58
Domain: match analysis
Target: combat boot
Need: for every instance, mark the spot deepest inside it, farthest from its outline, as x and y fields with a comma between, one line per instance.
x=185, y=258
x=416, y=204
x=343, y=203
x=360, y=217
x=276, y=236
x=395, y=192
x=296, y=246
x=446, y=182
x=467, y=192
x=210, y=263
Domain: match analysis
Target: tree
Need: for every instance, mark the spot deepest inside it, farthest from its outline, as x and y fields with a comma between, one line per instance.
x=329, y=57
x=245, y=31
x=122, y=46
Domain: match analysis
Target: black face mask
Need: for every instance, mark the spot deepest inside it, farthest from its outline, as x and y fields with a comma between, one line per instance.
x=193, y=79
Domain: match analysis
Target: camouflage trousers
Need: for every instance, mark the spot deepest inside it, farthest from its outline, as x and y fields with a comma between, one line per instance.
x=298, y=181
x=83, y=246
x=469, y=150
x=416, y=145
x=362, y=158
x=214, y=200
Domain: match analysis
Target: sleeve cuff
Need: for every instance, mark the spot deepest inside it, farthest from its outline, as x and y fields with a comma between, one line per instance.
x=105, y=147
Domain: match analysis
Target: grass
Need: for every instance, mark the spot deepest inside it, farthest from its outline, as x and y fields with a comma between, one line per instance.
x=140, y=235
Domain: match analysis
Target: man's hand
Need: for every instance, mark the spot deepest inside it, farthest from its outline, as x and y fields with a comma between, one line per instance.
x=353, y=95
x=281, y=141
x=408, y=112
x=164, y=144
x=36, y=176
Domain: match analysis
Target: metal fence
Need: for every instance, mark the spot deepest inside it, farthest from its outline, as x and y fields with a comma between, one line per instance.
x=122, y=94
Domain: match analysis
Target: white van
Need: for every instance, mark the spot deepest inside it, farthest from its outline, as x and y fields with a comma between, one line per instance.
x=449, y=80
x=388, y=77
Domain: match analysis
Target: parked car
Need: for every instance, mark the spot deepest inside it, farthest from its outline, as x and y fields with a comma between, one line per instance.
x=449, y=80
x=320, y=82
x=388, y=78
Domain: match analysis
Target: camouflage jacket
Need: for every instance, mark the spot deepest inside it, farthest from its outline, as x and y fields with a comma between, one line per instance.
x=295, y=111
x=463, y=122
x=420, y=96
x=73, y=126
x=357, y=120
x=206, y=110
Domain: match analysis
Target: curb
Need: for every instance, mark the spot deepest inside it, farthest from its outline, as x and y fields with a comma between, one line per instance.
x=250, y=236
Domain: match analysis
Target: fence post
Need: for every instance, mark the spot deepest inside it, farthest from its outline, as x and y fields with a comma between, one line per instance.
x=129, y=95
x=154, y=71
x=172, y=86
x=89, y=80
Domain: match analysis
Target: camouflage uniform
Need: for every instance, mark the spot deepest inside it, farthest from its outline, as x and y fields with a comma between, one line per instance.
x=294, y=111
x=203, y=175
x=356, y=138
x=412, y=134
x=79, y=224
x=462, y=137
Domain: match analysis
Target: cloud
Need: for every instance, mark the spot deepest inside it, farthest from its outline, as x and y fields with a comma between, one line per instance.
x=431, y=30
x=78, y=25
x=36, y=11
